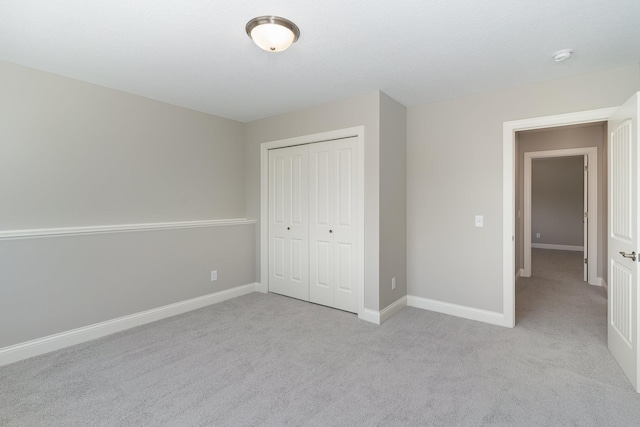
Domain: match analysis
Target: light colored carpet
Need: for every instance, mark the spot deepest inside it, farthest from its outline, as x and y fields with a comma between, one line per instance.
x=271, y=360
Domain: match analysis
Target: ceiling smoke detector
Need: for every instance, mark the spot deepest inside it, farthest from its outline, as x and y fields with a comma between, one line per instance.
x=562, y=55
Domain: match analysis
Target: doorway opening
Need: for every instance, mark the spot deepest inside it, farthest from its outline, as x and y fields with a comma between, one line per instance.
x=559, y=203
x=621, y=269
x=510, y=181
x=557, y=218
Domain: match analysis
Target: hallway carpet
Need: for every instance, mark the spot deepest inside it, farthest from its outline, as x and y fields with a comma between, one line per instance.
x=270, y=360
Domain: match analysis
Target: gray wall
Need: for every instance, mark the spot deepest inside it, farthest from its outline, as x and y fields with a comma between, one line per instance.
x=579, y=136
x=454, y=171
x=55, y=284
x=393, y=200
x=75, y=154
x=357, y=111
x=557, y=201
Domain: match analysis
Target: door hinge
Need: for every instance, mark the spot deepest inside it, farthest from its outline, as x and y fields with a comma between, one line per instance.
x=586, y=214
x=586, y=168
x=585, y=260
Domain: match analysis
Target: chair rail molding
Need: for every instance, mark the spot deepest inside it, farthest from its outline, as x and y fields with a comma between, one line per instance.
x=118, y=228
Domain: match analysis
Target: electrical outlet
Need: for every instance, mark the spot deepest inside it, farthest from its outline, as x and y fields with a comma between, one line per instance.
x=537, y=235
x=393, y=283
x=214, y=275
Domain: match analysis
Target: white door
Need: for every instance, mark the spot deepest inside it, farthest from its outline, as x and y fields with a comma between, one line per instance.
x=623, y=238
x=288, y=222
x=585, y=219
x=332, y=223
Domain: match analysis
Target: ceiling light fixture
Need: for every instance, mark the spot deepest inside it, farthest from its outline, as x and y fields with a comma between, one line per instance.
x=272, y=33
x=562, y=55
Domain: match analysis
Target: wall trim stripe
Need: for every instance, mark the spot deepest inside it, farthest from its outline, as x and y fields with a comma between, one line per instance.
x=118, y=228
x=54, y=342
x=465, y=312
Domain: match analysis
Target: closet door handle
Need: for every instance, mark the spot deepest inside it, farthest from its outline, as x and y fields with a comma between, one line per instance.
x=632, y=255
x=330, y=231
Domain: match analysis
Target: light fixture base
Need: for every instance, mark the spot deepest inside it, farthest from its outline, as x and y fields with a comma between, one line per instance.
x=562, y=55
x=272, y=33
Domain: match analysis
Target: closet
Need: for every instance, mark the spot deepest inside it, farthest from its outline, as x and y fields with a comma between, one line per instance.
x=313, y=214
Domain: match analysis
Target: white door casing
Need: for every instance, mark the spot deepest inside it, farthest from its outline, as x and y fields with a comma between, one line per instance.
x=586, y=219
x=509, y=130
x=591, y=207
x=333, y=213
x=624, y=186
x=288, y=222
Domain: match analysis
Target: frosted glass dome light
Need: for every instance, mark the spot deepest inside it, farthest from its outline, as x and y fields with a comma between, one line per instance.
x=272, y=33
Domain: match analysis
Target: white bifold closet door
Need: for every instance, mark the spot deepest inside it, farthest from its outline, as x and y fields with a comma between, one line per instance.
x=332, y=228
x=312, y=190
x=289, y=222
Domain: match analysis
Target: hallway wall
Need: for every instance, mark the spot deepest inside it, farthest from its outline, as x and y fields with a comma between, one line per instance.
x=557, y=201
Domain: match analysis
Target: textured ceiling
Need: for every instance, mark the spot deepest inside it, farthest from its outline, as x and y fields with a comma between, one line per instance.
x=195, y=53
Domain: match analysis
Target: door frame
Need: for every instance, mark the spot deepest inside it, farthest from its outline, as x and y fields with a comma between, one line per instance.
x=592, y=223
x=357, y=132
x=509, y=130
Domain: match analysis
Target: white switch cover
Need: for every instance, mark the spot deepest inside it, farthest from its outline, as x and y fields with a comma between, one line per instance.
x=479, y=221
x=214, y=275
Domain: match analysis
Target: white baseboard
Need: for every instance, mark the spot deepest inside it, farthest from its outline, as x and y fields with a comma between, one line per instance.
x=262, y=287
x=379, y=317
x=39, y=346
x=520, y=273
x=557, y=247
x=600, y=282
x=393, y=308
x=465, y=312
x=371, y=316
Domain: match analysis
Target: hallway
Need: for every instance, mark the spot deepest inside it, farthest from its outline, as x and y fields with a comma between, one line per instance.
x=556, y=300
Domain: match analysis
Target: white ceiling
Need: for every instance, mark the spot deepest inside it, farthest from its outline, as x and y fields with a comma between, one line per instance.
x=195, y=53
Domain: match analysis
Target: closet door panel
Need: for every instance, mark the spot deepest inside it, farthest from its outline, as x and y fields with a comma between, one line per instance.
x=278, y=281
x=288, y=222
x=320, y=216
x=332, y=213
x=344, y=211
